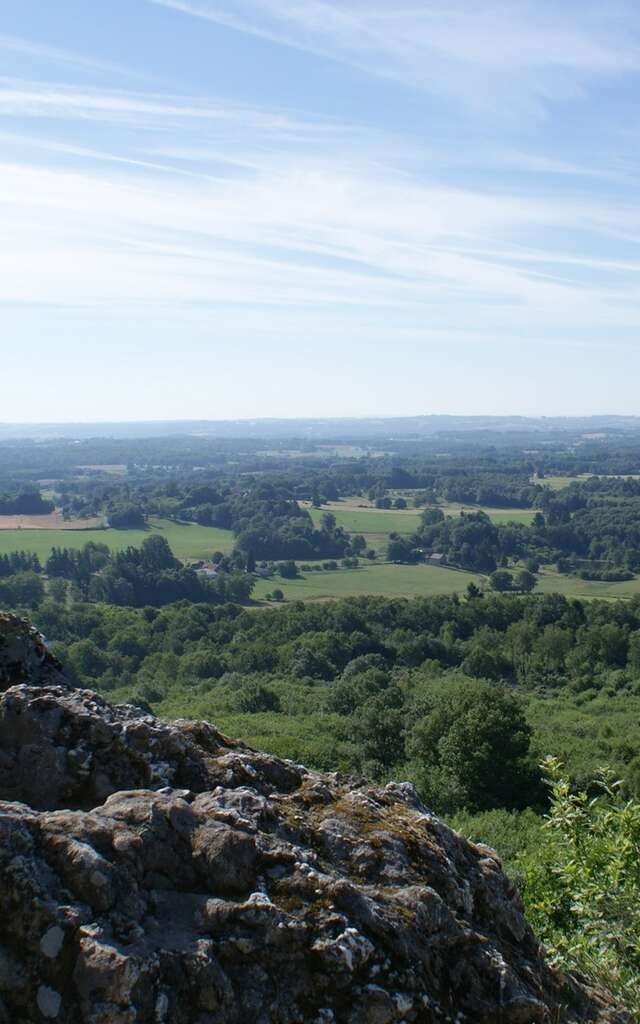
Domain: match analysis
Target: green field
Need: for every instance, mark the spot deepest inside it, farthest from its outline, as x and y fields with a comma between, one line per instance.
x=573, y=586
x=556, y=483
x=498, y=516
x=382, y=578
x=369, y=520
x=186, y=540
x=376, y=524
x=390, y=580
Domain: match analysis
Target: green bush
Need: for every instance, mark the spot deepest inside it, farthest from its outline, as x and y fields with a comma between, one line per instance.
x=582, y=890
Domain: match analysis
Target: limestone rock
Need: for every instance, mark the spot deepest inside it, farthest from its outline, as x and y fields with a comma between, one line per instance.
x=160, y=873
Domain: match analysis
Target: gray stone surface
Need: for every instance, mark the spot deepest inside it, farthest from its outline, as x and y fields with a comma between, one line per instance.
x=157, y=873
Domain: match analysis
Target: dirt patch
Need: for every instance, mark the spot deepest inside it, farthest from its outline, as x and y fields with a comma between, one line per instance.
x=52, y=521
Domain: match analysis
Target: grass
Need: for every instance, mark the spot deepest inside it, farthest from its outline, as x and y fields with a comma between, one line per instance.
x=572, y=586
x=497, y=515
x=384, y=578
x=369, y=520
x=186, y=540
x=376, y=524
x=390, y=580
x=556, y=483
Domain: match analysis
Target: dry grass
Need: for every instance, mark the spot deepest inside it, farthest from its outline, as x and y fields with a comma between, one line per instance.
x=52, y=521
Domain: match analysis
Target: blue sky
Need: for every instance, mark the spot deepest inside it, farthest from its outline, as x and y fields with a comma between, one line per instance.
x=241, y=208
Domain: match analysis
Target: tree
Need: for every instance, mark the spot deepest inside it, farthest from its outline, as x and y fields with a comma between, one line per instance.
x=288, y=570
x=328, y=522
x=432, y=516
x=525, y=581
x=57, y=590
x=157, y=555
x=251, y=562
x=470, y=746
x=200, y=664
x=378, y=730
x=125, y=516
x=501, y=580
x=252, y=697
x=25, y=589
x=85, y=659
x=400, y=549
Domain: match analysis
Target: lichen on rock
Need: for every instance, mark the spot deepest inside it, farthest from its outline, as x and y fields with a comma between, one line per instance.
x=160, y=873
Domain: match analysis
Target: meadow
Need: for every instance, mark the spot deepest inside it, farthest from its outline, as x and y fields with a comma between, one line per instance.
x=391, y=580
x=499, y=516
x=187, y=540
x=557, y=483
x=375, y=524
x=382, y=578
x=550, y=582
x=190, y=541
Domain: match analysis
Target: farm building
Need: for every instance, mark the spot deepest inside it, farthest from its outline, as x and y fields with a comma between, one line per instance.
x=435, y=559
x=208, y=569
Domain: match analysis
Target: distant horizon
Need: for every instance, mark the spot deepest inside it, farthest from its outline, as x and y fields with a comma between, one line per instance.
x=315, y=428
x=329, y=416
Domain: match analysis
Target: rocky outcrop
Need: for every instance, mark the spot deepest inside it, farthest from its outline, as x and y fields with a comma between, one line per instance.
x=160, y=873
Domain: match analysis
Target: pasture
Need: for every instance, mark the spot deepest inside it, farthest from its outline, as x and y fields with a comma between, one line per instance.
x=550, y=582
x=383, y=578
x=499, y=516
x=375, y=524
x=556, y=483
x=357, y=515
x=187, y=540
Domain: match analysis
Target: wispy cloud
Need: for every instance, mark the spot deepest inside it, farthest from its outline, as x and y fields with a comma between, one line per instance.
x=322, y=242
x=38, y=99
x=52, y=54
x=516, y=54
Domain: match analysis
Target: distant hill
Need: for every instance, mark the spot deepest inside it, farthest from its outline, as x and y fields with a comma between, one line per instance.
x=328, y=428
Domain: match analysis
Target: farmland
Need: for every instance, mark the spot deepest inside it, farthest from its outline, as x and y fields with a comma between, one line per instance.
x=50, y=521
x=187, y=540
x=389, y=580
x=190, y=541
x=572, y=586
x=383, y=579
x=557, y=483
x=376, y=524
x=496, y=515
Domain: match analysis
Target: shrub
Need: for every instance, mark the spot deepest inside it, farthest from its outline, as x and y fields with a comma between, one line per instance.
x=582, y=890
x=253, y=697
x=288, y=570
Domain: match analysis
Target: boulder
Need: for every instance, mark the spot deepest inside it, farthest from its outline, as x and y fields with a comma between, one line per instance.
x=161, y=873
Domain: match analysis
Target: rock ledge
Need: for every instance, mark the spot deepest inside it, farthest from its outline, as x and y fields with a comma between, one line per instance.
x=160, y=873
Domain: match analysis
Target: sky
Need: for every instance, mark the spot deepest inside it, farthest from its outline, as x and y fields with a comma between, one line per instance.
x=253, y=208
